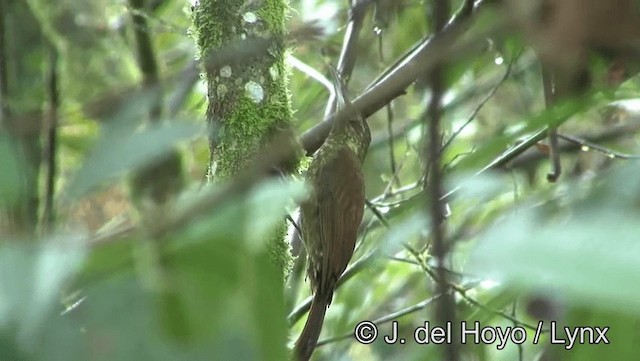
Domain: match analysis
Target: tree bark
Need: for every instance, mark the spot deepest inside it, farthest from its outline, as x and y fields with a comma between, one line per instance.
x=242, y=48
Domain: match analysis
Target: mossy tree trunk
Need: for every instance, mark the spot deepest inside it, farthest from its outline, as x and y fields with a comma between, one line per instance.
x=247, y=85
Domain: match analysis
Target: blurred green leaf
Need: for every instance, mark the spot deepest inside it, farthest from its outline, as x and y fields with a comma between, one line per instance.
x=107, y=259
x=478, y=188
x=116, y=153
x=405, y=231
x=219, y=292
x=623, y=336
x=31, y=281
x=267, y=207
x=589, y=254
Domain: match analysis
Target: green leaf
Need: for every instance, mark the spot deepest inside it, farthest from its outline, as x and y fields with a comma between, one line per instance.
x=591, y=259
x=409, y=230
x=32, y=279
x=622, y=335
x=116, y=153
x=267, y=206
x=222, y=288
x=105, y=260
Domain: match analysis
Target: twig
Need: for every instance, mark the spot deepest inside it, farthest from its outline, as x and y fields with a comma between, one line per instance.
x=463, y=291
x=607, y=151
x=347, y=59
x=392, y=83
x=461, y=98
x=513, y=313
x=477, y=109
x=294, y=224
x=549, y=87
x=614, y=133
x=376, y=213
x=355, y=267
x=392, y=157
x=385, y=319
x=390, y=116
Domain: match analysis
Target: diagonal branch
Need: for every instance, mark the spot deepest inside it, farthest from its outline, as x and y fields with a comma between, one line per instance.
x=420, y=59
x=347, y=60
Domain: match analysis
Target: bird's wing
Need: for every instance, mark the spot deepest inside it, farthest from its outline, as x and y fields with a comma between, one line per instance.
x=340, y=203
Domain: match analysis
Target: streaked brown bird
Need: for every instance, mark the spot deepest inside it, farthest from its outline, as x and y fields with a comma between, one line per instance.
x=330, y=218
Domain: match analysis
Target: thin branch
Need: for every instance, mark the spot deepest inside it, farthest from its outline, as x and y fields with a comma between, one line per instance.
x=393, y=82
x=402, y=260
x=523, y=159
x=347, y=59
x=463, y=292
x=376, y=213
x=606, y=151
x=513, y=313
x=354, y=269
x=385, y=319
x=520, y=155
x=312, y=73
x=408, y=188
x=506, y=316
x=550, y=99
x=445, y=312
x=390, y=116
x=392, y=157
x=146, y=54
x=396, y=193
x=294, y=224
x=420, y=306
x=388, y=189
x=475, y=112
x=464, y=97
x=50, y=146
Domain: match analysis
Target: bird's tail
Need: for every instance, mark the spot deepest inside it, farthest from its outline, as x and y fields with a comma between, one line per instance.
x=309, y=337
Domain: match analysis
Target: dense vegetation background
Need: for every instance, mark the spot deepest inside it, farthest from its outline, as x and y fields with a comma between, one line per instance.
x=115, y=246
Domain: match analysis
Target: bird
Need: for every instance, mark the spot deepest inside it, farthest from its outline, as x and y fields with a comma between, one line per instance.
x=331, y=216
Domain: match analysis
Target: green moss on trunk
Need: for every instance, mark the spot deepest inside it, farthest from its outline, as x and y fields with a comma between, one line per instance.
x=248, y=97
